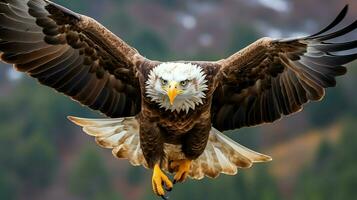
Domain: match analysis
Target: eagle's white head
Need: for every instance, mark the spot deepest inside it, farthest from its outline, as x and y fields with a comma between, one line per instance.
x=177, y=86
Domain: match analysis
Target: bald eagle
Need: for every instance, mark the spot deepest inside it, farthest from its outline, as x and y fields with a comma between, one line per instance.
x=169, y=116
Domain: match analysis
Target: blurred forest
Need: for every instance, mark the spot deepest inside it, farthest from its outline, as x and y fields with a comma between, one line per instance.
x=43, y=156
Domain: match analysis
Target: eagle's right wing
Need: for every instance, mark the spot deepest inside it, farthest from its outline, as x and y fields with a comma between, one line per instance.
x=271, y=78
x=71, y=53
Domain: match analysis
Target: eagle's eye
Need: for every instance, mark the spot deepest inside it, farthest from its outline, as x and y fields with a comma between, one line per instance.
x=163, y=81
x=184, y=83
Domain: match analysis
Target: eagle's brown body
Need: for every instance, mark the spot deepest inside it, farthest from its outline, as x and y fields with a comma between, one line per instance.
x=191, y=130
x=77, y=56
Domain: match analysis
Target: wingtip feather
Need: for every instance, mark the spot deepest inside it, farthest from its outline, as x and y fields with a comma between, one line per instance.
x=78, y=121
x=336, y=21
x=264, y=158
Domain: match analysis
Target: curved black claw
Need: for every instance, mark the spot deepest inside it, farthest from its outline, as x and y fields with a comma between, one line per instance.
x=164, y=197
x=168, y=189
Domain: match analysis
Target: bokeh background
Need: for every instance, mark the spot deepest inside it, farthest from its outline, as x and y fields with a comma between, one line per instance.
x=43, y=156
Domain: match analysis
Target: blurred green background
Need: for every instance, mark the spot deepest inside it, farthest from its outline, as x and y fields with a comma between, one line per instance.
x=43, y=156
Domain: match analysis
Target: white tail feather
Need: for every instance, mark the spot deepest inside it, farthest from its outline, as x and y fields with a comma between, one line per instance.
x=121, y=135
x=222, y=154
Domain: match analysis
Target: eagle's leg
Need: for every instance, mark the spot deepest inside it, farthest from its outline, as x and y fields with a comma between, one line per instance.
x=193, y=145
x=152, y=145
x=182, y=168
x=158, y=179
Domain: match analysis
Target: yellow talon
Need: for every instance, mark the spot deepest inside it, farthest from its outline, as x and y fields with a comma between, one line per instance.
x=182, y=167
x=158, y=178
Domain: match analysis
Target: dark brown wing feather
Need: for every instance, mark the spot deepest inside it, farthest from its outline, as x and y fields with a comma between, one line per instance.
x=71, y=53
x=271, y=78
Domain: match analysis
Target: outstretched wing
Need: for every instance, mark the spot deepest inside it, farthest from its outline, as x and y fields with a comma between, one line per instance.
x=271, y=78
x=71, y=53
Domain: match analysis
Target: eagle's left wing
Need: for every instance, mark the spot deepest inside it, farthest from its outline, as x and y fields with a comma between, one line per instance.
x=72, y=53
x=271, y=78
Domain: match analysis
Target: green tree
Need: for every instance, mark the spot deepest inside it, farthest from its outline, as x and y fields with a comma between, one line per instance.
x=333, y=174
x=90, y=178
x=7, y=185
x=24, y=162
x=262, y=185
x=35, y=160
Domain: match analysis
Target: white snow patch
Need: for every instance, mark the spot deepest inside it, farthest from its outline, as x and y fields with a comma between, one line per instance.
x=278, y=5
x=187, y=21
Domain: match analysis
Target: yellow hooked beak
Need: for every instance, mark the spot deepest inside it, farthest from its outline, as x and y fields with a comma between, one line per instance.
x=172, y=91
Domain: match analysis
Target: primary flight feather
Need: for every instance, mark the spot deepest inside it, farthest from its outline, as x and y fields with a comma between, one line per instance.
x=170, y=115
